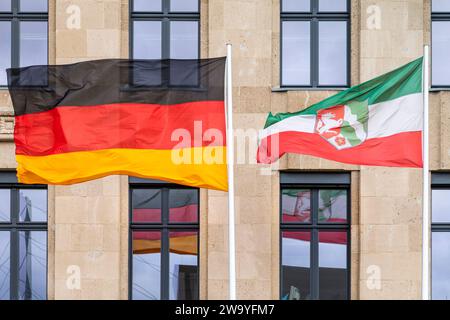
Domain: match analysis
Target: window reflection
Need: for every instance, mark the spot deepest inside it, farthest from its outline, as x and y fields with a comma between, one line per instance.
x=332, y=206
x=33, y=205
x=332, y=265
x=33, y=43
x=146, y=265
x=5, y=5
x=183, y=268
x=183, y=205
x=441, y=51
x=332, y=53
x=5, y=205
x=5, y=50
x=314, y=228
x=440, y=266
x=165, y=235
x=146, y=205
x=23, y=243
x=4, y=265
x=296, y=205
x=32, y=265
x=440, y=6
x=184, y=39
x=295, y=266
x=440, y=206
x=147, y=5
x=296, y=52
x=333, y=5
x=296, y=5
x=33, y=5
x=184, y=5
x=147, y=39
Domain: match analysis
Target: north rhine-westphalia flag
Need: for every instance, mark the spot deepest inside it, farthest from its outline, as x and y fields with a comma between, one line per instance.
x=159, y=119
x=376, y=123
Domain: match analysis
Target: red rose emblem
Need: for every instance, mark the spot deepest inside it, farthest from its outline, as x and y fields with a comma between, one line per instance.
x=340, y=141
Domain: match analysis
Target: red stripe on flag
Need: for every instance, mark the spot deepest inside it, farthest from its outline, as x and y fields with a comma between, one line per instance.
x=126, y=125
x=400, y=150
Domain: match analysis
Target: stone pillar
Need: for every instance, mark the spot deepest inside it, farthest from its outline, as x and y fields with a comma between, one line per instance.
x=390, y=198
x=248, y=26
x=88, y=216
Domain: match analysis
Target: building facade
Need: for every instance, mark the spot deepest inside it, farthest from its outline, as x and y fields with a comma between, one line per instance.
x=358, y=230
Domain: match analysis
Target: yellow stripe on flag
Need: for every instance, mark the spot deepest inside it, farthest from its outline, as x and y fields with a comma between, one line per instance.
x=202, y=167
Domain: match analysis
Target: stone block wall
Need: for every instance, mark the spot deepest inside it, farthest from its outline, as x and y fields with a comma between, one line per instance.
x=88, y=222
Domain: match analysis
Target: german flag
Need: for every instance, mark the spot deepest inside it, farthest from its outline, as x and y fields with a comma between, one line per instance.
x=158, y=119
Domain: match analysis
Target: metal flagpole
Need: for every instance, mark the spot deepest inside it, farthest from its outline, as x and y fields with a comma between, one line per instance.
x=230, y=161
x=426, y=183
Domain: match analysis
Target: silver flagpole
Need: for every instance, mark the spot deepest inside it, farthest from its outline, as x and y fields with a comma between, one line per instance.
x=426, y=183
x=230, y=161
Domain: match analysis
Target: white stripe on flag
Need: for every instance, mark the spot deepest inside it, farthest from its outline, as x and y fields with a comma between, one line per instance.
x=404, y=114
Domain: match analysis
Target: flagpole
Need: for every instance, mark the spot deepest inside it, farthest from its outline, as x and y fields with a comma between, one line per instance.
x=426, y=183
x=230, y=161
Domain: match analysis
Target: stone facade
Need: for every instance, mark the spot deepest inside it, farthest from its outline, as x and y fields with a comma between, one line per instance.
x=88, y=222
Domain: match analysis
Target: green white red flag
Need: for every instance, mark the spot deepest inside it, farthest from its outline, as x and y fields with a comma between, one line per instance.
x=377, y=123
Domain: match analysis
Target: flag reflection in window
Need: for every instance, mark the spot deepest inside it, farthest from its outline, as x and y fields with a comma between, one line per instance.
x=164, y=245
x=314, y=243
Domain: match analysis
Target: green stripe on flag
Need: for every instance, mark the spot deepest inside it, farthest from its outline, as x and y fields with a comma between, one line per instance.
x=395, y=84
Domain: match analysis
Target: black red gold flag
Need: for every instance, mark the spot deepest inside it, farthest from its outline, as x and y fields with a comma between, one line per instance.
x=159, y=119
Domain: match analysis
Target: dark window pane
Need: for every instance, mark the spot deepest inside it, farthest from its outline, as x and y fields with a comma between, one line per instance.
x=441, y=5
x=296, y=53
x=146, y=205
x=333, y=5
x=5, y=5
x=295, y=264
x=184, y=5
x=33, y=205
x=440, y=53
x=333, y=53
x=333, y=265
x=184, y=39
x=440, y=206
x=5, y=205
x=32, y=265
x=33, y=5
x=183, y=205
x=146, y=265
x=183, y=264
x=147, y=5
x=4, y=265
x=5, y=50
x=33, y=43
x=296, y=5
x=147, y=40
x=296, y=205
x=440, y=266
x=332, y=206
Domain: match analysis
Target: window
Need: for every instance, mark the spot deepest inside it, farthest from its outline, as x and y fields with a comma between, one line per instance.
x=440, y=43
x=315, y=236
x=23, y=240
x=23, y=29
x=440, y=236
x=315, y=43
x=165, y=29
x=164, y=233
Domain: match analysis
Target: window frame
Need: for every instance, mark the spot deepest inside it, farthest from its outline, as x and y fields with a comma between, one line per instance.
x=8, y=181
x=15, y=16
x=437, y=17
x=315, y=182
x=165, y=227
x=314, y=16
x=439, y=181
x=165, y=16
